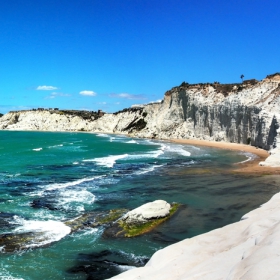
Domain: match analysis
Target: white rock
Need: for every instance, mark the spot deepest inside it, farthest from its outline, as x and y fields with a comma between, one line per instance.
x=150, y=210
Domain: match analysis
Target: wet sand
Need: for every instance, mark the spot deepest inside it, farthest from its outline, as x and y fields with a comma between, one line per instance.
x=251, y=166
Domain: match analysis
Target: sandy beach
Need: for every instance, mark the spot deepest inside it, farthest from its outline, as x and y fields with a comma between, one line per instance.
x=251, y=166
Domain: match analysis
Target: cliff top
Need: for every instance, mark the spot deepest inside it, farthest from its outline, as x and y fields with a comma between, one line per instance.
x=224, y=89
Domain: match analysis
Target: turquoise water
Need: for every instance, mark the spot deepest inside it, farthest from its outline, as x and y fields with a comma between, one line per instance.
x=48, y=178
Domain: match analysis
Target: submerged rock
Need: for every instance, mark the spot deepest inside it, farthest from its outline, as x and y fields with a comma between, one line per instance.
x=95, y=219
x=142, y=219
x=105, y=264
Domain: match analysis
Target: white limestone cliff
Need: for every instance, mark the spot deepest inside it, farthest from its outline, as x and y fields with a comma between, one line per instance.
x=246, y=113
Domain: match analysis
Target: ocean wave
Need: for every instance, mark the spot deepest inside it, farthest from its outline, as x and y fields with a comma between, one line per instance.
x=148, y=169
x=177, y=149
x=71, y=200
x=107, y=161
x=37, y=149
x=56, y=186
x=132, y=142
x=48, y=231
x=249, y=157
x=56, y=146
x=102, y=135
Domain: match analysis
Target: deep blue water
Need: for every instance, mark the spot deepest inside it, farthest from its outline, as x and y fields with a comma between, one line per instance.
x=49, y=178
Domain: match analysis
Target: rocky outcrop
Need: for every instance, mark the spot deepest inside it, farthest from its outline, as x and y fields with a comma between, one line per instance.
x=246, y=113
x=151, y=210
x=142, y=219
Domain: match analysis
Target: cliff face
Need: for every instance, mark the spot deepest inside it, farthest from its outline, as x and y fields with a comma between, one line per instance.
x=245, y=113
x=248, y=116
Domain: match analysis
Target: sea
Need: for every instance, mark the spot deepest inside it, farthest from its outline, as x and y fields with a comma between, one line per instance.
x=49, y=178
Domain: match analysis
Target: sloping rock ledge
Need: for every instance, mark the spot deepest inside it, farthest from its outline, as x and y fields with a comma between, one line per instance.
x=248, y=249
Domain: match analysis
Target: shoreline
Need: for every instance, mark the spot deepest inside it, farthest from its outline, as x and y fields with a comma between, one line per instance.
x=247, y=167
x=246, y=249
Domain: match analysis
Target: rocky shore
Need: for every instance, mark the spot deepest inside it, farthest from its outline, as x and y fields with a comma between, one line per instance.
x=247, y=114
x=247, y=249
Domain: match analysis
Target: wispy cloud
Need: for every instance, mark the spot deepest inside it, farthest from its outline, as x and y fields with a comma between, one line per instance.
x=128, y=96
x=46, y=88
x=88, y=92
x=157, y=101
x=56, y=94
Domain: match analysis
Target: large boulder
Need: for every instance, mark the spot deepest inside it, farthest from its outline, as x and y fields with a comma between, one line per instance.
x=142, y=219
x=151, y=210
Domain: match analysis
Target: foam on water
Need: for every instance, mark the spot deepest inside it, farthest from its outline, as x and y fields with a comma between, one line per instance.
x=49, y=231
x=249, y=157
x=107, y=161
x=68, y=199
x=55, y=146
x=70, y=184
x=132, y=142
x=88, y=231
x=148, y=169
x=102, y=135
x=178, y=149
x=5, y=275
x=37, y=149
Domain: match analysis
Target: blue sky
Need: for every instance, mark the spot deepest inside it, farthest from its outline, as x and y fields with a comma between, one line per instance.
x=111, y=54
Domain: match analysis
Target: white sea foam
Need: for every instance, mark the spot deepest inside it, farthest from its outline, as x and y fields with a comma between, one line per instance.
x=148, y=169
x=83, y=196
x=55, y=146
x=102, y=135
x=132, y=142
x=70, y=184
x=50, y=231
x=178, y=149
x=90, y=231
x=249, y=157
x=111, y=160
x=107, y=161
x=5, y=275
x=37, y=149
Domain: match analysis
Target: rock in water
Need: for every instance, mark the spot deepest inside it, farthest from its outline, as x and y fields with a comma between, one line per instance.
x=142, y=219
x=151, y=210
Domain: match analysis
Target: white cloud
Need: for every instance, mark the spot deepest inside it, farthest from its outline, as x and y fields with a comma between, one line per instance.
x=88, y=92
x=128, y=96
x=46, y=88
x=157, y=101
